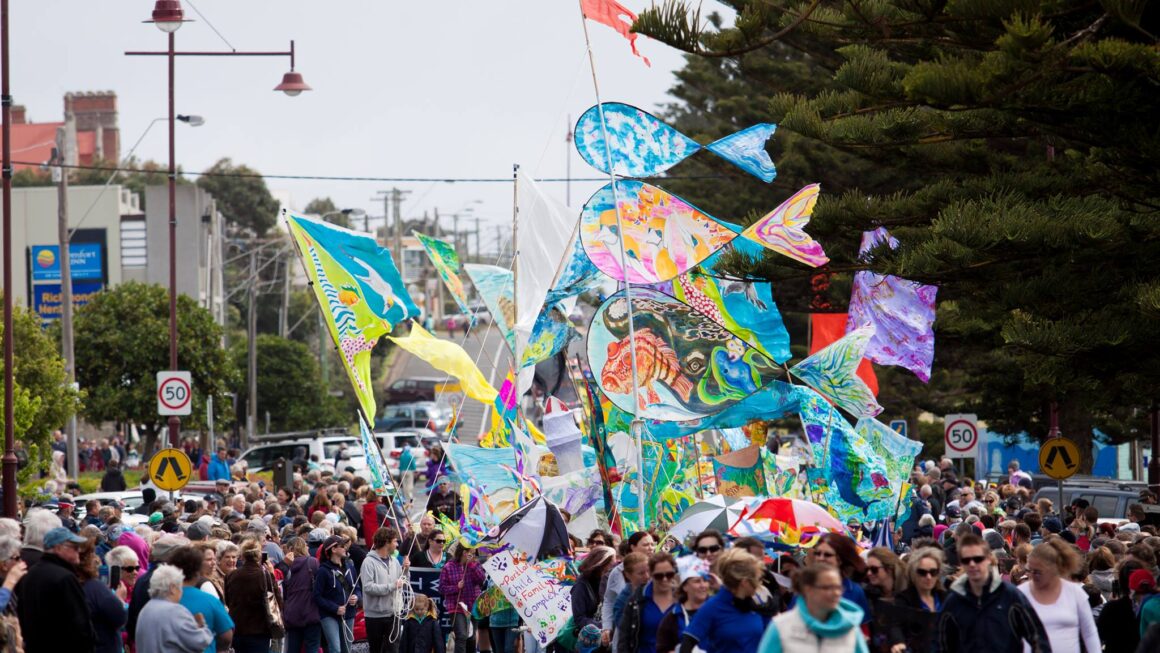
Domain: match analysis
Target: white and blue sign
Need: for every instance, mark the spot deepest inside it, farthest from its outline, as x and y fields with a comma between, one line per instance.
x=899, y=427
x=84, y=258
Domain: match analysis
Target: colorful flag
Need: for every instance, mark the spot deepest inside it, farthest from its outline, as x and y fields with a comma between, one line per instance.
x=449, y=357
x=360, y=291
x=496, y=287
x=375, y=461
x=609, y=12
x=828, y=328
x=746, y=308
x=895, y=449
x=446, y=261
x=831, y=372
x=901, y=312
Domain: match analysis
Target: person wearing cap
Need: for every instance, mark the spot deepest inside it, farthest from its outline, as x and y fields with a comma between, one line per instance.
x=54, y=615
x=1143, y=586
x=64, y=510
x=692, y=592
x=334, y=594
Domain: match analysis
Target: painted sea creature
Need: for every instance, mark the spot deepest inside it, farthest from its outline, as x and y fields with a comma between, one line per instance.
x=665, y=236
x=644, y=145
x=655, y=361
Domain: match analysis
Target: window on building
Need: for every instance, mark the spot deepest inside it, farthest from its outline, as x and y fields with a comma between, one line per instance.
x=134, y=248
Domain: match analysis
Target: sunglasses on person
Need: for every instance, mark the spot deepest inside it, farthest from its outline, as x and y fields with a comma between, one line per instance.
x=873, y=569
x=973, y=560
x=132, y=568
x=665, y=575
x=927, y=573
x=438, y=541
x=706, y=550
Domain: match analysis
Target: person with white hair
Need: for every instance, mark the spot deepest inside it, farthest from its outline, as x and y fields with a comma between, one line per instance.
x=12, y=569
x=165, y=625
x=126, y=560
x=37, y=523
x=9, y=528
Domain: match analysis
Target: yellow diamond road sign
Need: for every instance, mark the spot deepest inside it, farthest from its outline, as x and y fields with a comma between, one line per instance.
x=170, y=469
x=1059, y=458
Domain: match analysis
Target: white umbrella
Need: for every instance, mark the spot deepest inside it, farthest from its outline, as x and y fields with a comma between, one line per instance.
x=718, y=512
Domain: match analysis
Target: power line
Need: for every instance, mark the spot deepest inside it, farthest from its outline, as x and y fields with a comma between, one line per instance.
x=414, y=180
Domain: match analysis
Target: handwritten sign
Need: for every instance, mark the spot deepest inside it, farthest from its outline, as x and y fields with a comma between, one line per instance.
x=540, y=599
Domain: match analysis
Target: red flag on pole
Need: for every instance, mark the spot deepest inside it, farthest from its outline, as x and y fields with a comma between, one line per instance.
x=826, y=328
x=610, y=13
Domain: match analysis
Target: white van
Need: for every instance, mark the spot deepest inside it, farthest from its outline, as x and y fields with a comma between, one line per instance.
x=260, y=458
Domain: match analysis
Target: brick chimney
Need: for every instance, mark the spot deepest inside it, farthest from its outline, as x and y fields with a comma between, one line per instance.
x=97, y=112
x=19, y=114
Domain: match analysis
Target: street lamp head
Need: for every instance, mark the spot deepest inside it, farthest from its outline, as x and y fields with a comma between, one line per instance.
x=192, y=121
x=167, y=15
x=292, y=84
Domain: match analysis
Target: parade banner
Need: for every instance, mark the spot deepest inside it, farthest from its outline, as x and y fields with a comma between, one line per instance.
x=426, y=581
x=540, y=599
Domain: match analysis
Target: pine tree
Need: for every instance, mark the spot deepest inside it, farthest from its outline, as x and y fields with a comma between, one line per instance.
x=1014, y=153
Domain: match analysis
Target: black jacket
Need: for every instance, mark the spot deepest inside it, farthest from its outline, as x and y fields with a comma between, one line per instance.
x=907, y=620
x=585, y=603
x=108, y=616
x=1118, y=626
x=424, y=637
x=999, y=621
x=113, y=481
x=54, y=615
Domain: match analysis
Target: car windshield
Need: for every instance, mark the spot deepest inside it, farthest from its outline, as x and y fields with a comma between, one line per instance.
x=330, y=449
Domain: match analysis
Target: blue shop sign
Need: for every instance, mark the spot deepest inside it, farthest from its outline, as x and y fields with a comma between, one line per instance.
x=85, y=259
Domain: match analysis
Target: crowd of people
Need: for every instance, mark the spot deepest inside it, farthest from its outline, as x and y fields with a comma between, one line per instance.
x=326, y=565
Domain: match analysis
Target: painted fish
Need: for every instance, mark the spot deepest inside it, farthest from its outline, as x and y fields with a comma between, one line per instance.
x=655, y=361
x=665, y=236
x=644, y=145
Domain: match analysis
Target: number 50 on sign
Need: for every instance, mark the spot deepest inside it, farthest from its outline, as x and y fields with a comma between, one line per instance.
x=174, y=393
x=961, y=435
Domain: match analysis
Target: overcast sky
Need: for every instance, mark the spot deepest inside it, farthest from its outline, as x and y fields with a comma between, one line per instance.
x=460, y=88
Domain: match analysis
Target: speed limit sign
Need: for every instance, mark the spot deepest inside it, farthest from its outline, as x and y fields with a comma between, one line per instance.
x=174, y=393
x=961, y=435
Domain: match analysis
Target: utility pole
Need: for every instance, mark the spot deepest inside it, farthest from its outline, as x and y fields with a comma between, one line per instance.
x=568, y=164
x=393, y=199
x=438, y=312
x=284, y=314
x=455, y=231
x=61, y=158
x=252, y=330
x=478, y=252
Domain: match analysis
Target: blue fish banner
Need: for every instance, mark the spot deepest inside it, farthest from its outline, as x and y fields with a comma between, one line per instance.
x=846, y=472
x=369, y=264
x=642, y=145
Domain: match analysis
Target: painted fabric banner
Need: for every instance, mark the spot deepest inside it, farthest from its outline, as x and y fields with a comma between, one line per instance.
x=828, y=328
x=846, y=473
x=374, y=457
x=360, y=292
x=832, y=372
x=496, y=287
x=541, y=600
x=665, y=236
x=577, y=275
x=896, y=451
x=552, y=333
x=543, y=235
x=740, y=473
x=446, y=262
x=746, y=308
x=449, y=357
x=771, y=402
x=645, y=146
x=901, y=312
x=687, y=365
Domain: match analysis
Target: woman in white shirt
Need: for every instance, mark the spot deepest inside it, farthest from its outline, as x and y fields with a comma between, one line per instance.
x=1061, y=605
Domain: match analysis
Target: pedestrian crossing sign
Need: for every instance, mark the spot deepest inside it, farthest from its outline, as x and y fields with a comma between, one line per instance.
x=170, y=469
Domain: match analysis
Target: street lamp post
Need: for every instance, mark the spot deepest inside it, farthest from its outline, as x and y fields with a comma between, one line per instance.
x=10, y=463
x=168, y=17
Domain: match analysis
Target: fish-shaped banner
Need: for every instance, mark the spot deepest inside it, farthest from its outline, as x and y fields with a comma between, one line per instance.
x=449, y=357
x=496, y=287
x=577, y=275
x=553, y=332
x=847, y=473
x=665, y=236
x=744, y=307
x=644, y=146
x=896, y=450
x=446, y=262
x=833, y=372
x=687, y=365
x=901, y=312
x=359, y=289
x=376, y=465
x=771, y=402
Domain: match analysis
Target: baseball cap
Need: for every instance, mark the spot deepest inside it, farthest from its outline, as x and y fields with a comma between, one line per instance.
x=65, y=500
x=166, y=545
x=155, y=518
x=1139, y=579
x=330, y=543
x=953, y=512
x=59, y=536
x=257, y=526
x=317, y=535
x=691, y=567
x=1053, y=525
x=197, y=531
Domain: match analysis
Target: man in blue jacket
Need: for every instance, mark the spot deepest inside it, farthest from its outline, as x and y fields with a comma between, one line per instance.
x=982, y=612
x=218, y=467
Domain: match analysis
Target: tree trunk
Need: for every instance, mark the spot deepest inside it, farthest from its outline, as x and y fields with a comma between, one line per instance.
x=1075, y=424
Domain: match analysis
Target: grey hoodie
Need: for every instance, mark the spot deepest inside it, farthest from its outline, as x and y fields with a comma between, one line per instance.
x=379, y=576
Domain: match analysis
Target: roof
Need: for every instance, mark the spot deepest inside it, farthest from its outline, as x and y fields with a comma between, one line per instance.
x=33, y=143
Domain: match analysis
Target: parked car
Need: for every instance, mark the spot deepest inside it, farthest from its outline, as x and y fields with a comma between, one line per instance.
x=130, y=500
x=1110, y=499
x=420, y=414
x=391, y=443
x=260, y=458
x=419, y=388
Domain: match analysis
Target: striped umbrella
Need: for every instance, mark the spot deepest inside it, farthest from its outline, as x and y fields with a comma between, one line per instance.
x=717, y=512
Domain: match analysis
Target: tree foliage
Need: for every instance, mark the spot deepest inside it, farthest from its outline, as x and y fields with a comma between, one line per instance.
x=122, y=341
x=1011, y=148
x=242, y=195
x=43, y=400
x=325, y=208
x=290, y=387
